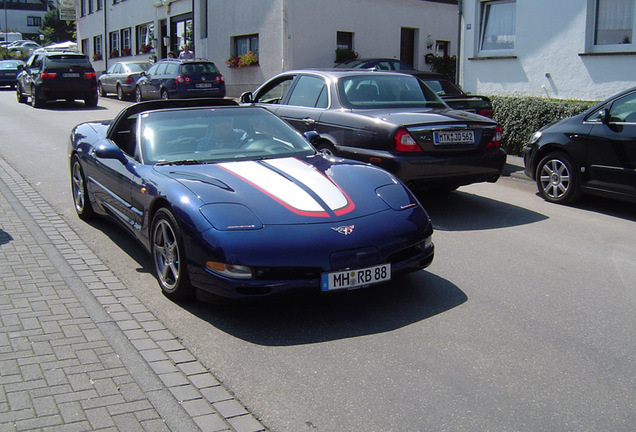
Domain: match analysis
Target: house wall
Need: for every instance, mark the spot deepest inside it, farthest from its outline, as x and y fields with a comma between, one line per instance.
x=552, y=55
x=302, y=34
x=17, y=20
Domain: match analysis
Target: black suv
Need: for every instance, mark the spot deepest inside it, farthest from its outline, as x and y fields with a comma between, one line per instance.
x=178, y=79
x=51, y=75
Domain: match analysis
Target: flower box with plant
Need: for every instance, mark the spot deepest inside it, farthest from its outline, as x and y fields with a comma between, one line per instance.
x=232, y=61
x=114, y=53
x=238, y=61
x=126, y=51
x=97, y=56
x=143, y=49
x=345, y=54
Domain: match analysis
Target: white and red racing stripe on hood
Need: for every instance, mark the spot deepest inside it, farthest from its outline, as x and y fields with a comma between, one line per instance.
x=294, y=184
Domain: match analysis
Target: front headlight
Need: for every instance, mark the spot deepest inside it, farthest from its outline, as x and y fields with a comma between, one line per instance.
x=229, y=270
x=536, y=137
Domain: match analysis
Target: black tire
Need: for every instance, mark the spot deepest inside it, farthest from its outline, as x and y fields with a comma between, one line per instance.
x=18, y=91
x=138, y=96
x=168, y=256
x=164, y=94
x=91, y=101
x=81, y=200
x=327, y=149
x=120, y=93
x=36, y=102
x=100, y=90
x=557, y=179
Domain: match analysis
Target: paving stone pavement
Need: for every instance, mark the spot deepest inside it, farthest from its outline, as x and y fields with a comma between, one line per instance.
x=79, y=352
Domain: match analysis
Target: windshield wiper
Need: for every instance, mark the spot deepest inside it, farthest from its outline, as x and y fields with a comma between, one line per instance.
x=182, y=162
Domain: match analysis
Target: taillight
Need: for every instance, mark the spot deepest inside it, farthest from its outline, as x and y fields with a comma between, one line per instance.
x=46, y=75
x=90, y=75
x=218, y=78
x=130, y=80
x=404, y=142
x=183, y=79
x=486, y=112
x=495, y=142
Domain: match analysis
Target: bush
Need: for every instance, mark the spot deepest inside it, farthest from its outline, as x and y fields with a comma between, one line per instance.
x=522, y=116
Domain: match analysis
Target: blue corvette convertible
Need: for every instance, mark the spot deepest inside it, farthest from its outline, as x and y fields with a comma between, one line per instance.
x=231, y=200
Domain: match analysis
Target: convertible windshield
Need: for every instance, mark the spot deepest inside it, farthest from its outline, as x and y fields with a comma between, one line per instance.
x=386, y=91
x=209, y=135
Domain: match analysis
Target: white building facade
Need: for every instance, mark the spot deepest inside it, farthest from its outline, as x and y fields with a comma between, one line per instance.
x=282, y=34
x=22, y=16
x=565, y=49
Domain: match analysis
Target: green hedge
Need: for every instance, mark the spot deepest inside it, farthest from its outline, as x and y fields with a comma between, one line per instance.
x=522, y=116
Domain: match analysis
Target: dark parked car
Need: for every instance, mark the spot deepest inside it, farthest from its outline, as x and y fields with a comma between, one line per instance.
x=9, y=70
x=121, y=78
x=235, y=202
x=177, y=78
x=388, y=64
x=389, y=119
x=593, y=152
x=441, y=84
x=454, y=96
x=51, y=75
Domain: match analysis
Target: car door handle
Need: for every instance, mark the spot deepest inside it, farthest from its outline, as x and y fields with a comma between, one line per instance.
x=309, y=121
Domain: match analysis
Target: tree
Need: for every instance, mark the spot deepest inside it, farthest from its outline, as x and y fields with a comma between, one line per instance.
x=55, y=30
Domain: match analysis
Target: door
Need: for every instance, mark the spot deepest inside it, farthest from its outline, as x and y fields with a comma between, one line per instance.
x=305, y=104
x=611, y=149
x=407, y=46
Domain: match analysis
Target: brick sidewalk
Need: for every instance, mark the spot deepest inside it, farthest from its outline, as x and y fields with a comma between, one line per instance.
x=78, y=352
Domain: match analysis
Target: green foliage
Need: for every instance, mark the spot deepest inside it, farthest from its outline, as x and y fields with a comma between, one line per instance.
x=345, y=54
x=55, y=30
x=446, y=65
x=521, y=116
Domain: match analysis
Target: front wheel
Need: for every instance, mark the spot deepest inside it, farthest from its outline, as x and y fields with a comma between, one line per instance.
x=326, y=149
x=81, y=199
x=168, y=255
x=164, y=94
x=138, y=96
x=100, y=90
x=557, y=179
x=18, y=91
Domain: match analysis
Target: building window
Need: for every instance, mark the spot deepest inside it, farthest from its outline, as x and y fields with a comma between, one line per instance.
x=497, y=29
x=100, y=5
x=97, y=47
x=82, y=7
x=614, y=22
x=344, y=40
x=145, y=36
x=245, y=44
x=33, y=21
x=90, y=6
x=126, y=47
x=113, y=39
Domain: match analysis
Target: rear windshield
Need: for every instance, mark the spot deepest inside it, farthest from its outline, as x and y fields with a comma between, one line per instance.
x=69, y=60
x=138, y=67
x=8, y=65
x=198, y=69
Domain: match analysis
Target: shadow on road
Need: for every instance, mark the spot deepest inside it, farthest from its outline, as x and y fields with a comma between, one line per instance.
x=320, y=318
x=462, y=211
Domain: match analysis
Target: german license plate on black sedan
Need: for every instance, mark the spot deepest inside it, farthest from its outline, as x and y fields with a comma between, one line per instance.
x=454, y=137
x=350, y=279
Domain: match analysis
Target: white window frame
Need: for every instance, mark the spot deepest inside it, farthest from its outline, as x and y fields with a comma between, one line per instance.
x=482, y=6
x=592, y=18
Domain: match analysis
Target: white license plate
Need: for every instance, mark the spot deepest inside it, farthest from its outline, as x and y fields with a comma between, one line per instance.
x=454, y=137
x=350, y=279
x=203, y=85
x=71, y=75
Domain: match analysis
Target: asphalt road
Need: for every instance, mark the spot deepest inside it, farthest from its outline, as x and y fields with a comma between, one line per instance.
x=525, y=321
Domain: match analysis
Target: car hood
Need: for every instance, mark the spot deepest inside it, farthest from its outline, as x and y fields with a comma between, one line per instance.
x=428, y=117
x=305, y=190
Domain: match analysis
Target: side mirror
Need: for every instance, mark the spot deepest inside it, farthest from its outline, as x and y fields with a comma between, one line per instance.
x=246, y=97
x=108, y=150
x=604, y=116
x=312, y=136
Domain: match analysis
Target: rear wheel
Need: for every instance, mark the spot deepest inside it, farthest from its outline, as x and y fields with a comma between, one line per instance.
x=168, y=255
x=557, y=179
x=164, y=94
x=91, y=101
x=138, y=96
x=81, y=200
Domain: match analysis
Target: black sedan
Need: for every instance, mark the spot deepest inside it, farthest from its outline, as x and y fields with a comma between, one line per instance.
x=121, y=78
x=389, y=119
x=593, y=152
x=9, y=70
